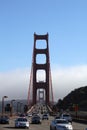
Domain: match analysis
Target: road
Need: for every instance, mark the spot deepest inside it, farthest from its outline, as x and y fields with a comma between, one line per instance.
x=44, y=126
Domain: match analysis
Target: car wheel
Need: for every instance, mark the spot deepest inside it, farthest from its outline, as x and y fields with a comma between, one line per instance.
x=50, y=128
x=55, y=128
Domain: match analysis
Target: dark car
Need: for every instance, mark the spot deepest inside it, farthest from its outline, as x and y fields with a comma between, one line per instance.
x=45, y=116
x=36, y=120
x=22, y=115
x=57, y=117
x=4, y=120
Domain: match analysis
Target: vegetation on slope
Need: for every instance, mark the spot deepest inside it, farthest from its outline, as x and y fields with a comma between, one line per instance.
x=77, y=97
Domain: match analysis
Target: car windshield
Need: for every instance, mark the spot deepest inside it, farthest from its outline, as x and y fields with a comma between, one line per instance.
x=22, y=119
x=36, y=117
x=45, y=115
x=61, y=121
x=66, y=115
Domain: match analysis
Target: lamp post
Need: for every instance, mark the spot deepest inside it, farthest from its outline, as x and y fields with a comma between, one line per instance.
x=12, y=106
x=17, y=106
x=3, y=104
x=21, y=107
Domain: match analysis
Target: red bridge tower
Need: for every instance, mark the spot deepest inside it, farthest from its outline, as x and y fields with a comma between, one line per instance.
x=35, y=85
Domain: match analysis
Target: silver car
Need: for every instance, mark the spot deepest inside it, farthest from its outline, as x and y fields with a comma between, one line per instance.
x=60, y=124
x=21, y=122
x=66, y=116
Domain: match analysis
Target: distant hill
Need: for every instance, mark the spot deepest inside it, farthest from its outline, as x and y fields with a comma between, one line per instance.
x=76, y=97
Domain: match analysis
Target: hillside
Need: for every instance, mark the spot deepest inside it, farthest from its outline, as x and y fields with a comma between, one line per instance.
x=76, y=97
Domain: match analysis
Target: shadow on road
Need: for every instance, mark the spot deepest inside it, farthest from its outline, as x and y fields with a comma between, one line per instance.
x=9, y=127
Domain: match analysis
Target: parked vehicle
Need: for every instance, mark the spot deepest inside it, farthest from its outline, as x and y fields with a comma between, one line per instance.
x=4, y=120
x=36, y=120
x=21, y=122
x=60, y=124
x=67, y=117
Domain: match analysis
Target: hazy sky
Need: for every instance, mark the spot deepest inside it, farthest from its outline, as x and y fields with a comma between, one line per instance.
x=66, y=23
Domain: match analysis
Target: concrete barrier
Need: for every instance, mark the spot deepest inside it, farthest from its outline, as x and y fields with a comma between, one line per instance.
x=80, y=121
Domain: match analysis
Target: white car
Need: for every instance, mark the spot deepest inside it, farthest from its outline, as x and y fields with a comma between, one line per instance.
x=60, y=124
x=66, y=116
x=21, y=122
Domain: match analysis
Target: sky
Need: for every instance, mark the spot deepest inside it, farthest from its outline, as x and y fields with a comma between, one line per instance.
x=66, y=23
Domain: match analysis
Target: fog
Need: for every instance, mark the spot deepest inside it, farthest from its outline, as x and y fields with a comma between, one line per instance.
x=15, y=84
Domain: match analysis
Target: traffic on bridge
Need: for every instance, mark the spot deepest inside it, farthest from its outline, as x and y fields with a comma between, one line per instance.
x=39, y=118
x=39, y=113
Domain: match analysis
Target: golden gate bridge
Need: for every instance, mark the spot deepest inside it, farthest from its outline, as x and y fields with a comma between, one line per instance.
x=40, y=90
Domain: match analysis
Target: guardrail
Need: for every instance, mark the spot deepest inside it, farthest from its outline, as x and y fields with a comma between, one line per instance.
x=80, y=120
x=79, y=116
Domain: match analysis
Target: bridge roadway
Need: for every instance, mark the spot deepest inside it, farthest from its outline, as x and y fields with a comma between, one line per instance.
x=45, y=125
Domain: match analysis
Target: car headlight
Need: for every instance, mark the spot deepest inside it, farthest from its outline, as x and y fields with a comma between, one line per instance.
x=64, y=127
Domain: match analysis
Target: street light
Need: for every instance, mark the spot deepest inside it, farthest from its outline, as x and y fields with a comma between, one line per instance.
x=21, y=107
x=12, y=106
x=17, y=106
x=3, y=104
